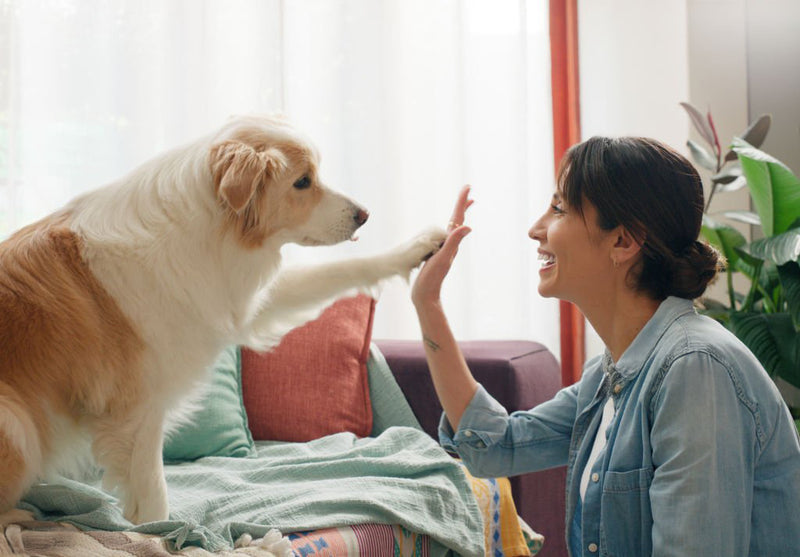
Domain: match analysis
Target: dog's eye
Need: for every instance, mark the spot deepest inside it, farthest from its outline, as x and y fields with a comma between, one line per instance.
x=302, y=183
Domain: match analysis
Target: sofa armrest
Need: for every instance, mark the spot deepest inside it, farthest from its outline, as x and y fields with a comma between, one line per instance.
x=520, y=375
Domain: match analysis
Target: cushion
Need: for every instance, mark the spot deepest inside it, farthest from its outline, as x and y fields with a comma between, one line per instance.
x=389, y=406
x=219, y=427
x=314, y=383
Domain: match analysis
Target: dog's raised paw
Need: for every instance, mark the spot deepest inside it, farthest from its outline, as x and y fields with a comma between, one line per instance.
x=420, y=248
x=432, y=241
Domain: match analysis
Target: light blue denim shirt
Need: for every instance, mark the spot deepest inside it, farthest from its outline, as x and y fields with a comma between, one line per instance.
x=702, y=456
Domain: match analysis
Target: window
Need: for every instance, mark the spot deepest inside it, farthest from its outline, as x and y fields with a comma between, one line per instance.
x=406, y=100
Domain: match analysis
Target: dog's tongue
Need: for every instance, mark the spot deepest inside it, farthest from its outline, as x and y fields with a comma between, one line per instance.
x=354, y=239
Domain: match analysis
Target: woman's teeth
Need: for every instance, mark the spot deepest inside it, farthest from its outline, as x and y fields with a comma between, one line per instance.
x=547, y=259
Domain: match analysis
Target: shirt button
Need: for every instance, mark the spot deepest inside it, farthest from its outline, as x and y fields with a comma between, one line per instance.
x=593, y=547
x=468, y=433
x=617, y=389
x=595, y=477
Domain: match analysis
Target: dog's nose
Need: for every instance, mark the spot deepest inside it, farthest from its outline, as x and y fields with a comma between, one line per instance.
x=361, y=216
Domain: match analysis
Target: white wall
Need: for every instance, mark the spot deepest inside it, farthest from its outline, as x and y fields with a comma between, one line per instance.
x=773, y=73
x=634, y=70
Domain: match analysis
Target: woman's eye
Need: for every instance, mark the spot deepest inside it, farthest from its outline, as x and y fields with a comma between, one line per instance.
x=302, y=183
x=557, y=210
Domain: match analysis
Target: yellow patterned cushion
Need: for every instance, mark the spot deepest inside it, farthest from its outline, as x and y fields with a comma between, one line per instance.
x=505, y=533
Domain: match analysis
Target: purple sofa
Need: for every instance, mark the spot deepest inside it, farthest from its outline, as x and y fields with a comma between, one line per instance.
x=520, y=375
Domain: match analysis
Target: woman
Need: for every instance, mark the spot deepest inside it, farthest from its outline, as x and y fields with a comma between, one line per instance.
x=676, y=441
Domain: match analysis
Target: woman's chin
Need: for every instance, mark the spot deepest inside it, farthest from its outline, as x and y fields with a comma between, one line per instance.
x=544, y=291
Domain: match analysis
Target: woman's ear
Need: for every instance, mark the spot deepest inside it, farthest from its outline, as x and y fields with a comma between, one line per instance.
x=626, y=246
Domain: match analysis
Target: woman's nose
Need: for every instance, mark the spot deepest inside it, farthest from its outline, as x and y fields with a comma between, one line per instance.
x=538, y=230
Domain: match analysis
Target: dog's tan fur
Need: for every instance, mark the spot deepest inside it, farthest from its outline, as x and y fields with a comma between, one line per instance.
x=244, y=170
x=71, y=351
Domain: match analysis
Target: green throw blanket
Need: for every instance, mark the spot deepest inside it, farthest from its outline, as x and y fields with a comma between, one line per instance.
x=399, y=477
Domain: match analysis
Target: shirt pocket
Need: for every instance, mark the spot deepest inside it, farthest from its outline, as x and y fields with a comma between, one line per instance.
x=626, y=523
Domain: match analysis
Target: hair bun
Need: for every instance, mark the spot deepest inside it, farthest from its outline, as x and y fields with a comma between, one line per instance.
x=693, y=270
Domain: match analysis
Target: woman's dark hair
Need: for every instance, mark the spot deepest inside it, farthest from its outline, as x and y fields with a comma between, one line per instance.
x=657, y=195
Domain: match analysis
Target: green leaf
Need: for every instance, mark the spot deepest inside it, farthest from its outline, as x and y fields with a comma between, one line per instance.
x=747, y=263
x=789, y=275
x=751, y=267
x=714, y=309
x=701, y=156
x=710, y=304
x=723, y=237
x=773, y=187
x=744, y=255
x=779, y=249
x=773, y=340
x=788, y=340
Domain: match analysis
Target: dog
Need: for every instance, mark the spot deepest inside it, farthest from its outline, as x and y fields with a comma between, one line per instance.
x=116, y=306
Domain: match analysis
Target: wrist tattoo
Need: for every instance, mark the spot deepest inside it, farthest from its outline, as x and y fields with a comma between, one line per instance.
x=432, y=345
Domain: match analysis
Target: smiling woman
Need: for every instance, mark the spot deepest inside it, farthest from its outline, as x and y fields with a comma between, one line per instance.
x=406, y=101
x=664, y=436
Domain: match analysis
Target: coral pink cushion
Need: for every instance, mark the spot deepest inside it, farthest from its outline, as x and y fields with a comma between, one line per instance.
x=314, y=383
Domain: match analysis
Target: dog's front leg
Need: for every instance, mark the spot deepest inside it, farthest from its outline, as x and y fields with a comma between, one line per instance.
x=130, y=449
x=299, y=294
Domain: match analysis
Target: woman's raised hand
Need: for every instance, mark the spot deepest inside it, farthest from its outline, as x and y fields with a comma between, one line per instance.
x=428, y=284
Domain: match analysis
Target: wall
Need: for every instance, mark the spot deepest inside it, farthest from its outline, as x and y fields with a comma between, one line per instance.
x=773, y=73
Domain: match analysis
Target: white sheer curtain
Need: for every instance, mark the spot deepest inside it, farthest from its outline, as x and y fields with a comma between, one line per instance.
x=406, y=100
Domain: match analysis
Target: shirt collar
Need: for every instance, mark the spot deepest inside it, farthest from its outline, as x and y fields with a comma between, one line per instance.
x=634, y=357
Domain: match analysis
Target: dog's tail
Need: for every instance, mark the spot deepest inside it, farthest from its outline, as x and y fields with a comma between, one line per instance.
x=20, y=448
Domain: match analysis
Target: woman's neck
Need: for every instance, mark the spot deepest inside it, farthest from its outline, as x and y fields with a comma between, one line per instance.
x=619, y=319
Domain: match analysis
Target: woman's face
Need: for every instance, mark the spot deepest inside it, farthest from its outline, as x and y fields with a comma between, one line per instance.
x=575, y=252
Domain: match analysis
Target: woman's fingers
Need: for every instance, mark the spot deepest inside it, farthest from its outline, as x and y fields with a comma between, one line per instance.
x=428, y=283
x=440, y=263
x=454, y=239
x=459, y=211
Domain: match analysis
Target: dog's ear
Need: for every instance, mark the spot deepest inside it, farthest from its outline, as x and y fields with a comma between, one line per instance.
x=239, y=170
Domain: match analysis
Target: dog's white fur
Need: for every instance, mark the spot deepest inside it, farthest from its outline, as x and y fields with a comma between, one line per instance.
x=117, y=305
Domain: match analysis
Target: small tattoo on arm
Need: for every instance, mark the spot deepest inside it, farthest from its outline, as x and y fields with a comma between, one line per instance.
x=432, y=345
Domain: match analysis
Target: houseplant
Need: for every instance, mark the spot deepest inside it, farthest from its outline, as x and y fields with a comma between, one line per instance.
x=767, y=316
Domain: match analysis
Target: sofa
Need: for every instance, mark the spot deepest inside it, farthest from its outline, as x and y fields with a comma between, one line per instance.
x=520, y=375
x=321, y=446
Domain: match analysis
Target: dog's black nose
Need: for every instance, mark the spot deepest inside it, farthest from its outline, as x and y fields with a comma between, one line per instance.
x=361, y=217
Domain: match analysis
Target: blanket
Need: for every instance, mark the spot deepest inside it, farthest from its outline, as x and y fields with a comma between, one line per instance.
x=400, y=477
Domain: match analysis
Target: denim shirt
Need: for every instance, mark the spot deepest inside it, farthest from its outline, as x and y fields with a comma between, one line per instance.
x=702, y=456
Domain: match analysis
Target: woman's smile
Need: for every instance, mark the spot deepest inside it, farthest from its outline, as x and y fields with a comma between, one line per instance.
x=548, y=261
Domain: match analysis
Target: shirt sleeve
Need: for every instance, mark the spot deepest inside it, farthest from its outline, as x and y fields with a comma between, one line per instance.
x=493, y=443
x=703, y=444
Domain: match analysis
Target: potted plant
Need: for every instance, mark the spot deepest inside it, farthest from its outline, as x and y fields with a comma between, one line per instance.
x=767, y=316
